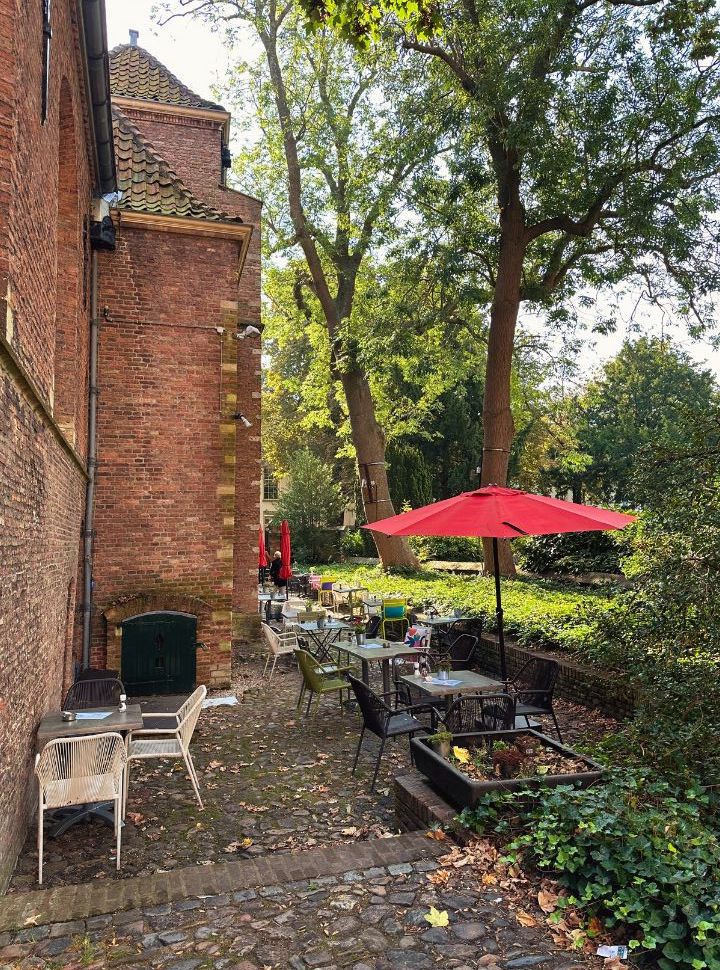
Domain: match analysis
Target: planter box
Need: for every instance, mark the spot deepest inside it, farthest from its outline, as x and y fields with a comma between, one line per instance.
x=465, y=792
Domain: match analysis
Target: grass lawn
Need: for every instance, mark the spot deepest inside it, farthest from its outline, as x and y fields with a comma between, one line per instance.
x=548, y=614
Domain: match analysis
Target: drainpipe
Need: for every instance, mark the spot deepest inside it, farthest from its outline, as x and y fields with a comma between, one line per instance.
x=92, y=466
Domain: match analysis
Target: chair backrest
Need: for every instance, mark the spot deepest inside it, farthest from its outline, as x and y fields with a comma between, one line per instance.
x=462, y=649
x=189, y=713
x=374, y=710
x=394, y=609
x=481, y=712
x=270, y=635
x=372, y=627
x=94, y=693
x=308, y=668
x=536, y=680
x=327, y=582
x=83, y=763
x=273, y=610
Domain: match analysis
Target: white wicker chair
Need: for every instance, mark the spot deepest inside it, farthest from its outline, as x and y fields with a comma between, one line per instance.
x=170, y=742
x=72, y=771
x=278, y=644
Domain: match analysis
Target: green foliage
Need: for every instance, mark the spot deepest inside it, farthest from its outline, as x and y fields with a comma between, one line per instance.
x=664, y=632
x=574, y=553
x=447, y=548
x=409, y=476
x=312, y=502
x=638, y=853
x=352, y=543
x=643, y=397
x=550, y=615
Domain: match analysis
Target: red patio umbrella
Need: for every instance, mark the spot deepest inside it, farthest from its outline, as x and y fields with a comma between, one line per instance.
x=262, y=555
x=285, y=557
x=496, y=513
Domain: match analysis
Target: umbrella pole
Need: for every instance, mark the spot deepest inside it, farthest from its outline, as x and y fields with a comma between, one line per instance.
x=499, y=613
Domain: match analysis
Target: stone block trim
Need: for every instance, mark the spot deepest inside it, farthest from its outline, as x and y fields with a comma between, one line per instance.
x=114, y=895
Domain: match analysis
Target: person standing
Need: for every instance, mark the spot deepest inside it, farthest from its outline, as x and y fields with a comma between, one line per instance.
x=275, y=567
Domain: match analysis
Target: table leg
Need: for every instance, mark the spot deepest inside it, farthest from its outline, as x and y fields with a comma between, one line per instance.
x=386, y=675
x=365, y=672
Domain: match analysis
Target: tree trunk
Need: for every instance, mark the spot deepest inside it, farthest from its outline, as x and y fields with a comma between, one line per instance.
x=369, y=442
x=498, y=424
x=367, y=435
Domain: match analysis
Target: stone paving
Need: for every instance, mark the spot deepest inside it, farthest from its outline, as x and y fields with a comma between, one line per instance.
x=274, y=783
x=365, y=920
x=271, y=780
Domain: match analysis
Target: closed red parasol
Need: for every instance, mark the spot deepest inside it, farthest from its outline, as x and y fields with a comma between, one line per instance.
x=262, y=552
x=285, y=556
x=496, y=513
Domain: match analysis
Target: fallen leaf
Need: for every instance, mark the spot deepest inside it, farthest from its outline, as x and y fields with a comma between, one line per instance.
x=437, y=917
x=462, y=755
x=437, y=834
x=525, y=919
x=439, y=878
x=547, y=901
x=135, y=817
x=488, y=879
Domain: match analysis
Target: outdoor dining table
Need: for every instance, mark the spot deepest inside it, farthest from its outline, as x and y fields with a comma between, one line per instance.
x=460, y=682
x=349, y=593
x=378, y=650
x=52, y=726
x=441, y=621
x=325, y=636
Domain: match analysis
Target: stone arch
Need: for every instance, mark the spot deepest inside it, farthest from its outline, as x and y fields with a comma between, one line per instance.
x=152, y=601
x=69, y=262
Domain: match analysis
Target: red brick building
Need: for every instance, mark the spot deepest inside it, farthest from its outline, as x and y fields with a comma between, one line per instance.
x=169, y=558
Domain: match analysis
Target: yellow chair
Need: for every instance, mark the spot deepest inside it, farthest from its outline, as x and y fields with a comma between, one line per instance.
x=326, y=589
x=394, y=610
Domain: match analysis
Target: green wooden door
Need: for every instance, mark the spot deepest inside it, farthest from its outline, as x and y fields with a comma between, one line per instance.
x=158, y=653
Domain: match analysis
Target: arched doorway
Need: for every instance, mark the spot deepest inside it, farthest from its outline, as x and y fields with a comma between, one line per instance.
x=158, y=653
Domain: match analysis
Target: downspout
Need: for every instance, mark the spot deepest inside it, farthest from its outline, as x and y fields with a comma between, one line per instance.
x=87, y=606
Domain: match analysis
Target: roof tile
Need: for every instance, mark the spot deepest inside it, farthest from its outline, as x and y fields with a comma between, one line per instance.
x=134, y=73
x=147, y=182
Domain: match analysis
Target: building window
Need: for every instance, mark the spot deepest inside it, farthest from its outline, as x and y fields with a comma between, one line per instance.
x=271, y=492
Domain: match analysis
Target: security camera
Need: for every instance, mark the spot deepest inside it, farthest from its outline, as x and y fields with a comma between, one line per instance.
x=238, y=416
x=249, y=331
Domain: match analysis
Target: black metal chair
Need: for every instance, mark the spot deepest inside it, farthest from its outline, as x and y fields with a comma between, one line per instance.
x=459, y=653
x=382, y=720
x=480, y=712
x=533, y=687
x=85, y=694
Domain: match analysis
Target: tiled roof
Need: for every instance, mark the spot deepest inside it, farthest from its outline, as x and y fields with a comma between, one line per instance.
x=136, y=74
x=147, y=182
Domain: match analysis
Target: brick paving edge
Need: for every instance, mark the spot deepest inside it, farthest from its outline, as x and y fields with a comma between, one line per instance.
x=66, y=903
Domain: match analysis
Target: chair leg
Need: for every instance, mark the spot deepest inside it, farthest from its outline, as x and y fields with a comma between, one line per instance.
x=40, y=840
x=316, y=705
x=310, y=697
x=377, y=764
x=267, y=661
x=557, y=727
x=118, y=831
x=412, y=756
x=126, y=786
x=191, y=772
x=357, y=753
x=302, y=691
x=272, y=670
x=193, y=769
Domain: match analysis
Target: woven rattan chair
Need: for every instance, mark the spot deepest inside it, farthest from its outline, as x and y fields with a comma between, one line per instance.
x=480, y=712
x=170, y=742
x=533, y=687
x=382, y=720
x=279, y=645
x=86, y=694
x=73, y=771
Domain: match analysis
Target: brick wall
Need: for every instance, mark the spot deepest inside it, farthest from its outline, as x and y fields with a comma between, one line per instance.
x=173, y=463
x=580, y=684
x=41, y=474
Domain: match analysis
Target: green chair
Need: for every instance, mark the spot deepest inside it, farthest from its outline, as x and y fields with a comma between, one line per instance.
x=317, y=682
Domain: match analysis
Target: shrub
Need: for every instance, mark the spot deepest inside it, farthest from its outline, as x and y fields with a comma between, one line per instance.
x=447, y=548
x=636, y=853
x=574, y=553
x=352, y=543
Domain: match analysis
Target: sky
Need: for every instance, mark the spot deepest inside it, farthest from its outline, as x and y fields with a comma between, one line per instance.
x=198, y=57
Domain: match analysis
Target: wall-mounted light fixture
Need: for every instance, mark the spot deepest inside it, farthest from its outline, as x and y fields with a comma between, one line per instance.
x=239, y=416
x=248, y=331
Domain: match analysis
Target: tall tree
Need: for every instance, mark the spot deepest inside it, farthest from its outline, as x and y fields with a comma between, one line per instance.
x=342, y=133
x=592, y=146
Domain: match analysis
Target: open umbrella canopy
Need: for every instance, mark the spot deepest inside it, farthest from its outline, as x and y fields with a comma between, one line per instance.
x=496, y=513
x=493, y=512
